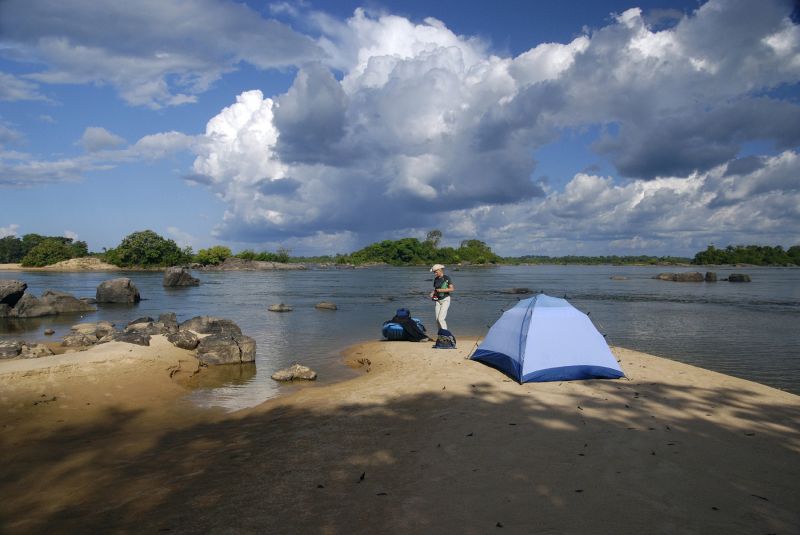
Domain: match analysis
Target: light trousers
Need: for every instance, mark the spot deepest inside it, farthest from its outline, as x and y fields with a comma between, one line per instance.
x=442, y=306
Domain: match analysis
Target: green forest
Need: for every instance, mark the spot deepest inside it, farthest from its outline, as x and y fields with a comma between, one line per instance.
x=146, y=249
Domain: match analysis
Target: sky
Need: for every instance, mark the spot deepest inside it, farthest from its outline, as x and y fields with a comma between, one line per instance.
x=546, y=127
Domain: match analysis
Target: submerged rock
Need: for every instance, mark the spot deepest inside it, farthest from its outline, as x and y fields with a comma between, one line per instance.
x=326, y=306
x=295, y=371
x=738, y=277
x=280, y=307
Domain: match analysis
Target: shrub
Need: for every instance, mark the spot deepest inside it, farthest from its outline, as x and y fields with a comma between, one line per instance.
x=48, y=251
x=147, y=249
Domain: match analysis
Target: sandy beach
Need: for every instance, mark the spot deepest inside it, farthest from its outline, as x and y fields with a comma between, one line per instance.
x=422, y=441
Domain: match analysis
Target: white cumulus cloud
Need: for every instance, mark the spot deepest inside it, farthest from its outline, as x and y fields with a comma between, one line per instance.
x=425, y=128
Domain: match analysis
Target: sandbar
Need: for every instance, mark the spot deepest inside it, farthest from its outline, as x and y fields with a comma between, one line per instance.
x=422, y=441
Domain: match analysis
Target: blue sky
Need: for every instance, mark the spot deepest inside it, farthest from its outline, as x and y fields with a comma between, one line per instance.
x=547, y=127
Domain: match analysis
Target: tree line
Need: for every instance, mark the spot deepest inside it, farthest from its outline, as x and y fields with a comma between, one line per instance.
x=147, y=249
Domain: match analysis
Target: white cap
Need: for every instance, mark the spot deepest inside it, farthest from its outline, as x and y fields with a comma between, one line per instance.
x=436, y=266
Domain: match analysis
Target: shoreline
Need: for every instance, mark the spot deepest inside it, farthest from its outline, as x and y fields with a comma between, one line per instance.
x=421, y=441
x=101, y=267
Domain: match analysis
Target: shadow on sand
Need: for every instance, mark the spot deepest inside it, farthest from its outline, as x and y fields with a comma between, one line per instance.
x=486, y=462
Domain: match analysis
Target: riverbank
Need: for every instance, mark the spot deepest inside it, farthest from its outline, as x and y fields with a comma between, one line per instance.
x=423, y=441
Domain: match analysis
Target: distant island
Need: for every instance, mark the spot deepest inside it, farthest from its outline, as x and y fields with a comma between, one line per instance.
x=147, y=250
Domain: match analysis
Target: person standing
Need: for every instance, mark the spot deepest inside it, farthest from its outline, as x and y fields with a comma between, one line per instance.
x=442, y=288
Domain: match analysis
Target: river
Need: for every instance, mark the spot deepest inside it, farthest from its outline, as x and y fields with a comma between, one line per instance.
x=749, y=330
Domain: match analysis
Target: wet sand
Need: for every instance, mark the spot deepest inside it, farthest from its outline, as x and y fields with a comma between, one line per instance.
x=423, y=441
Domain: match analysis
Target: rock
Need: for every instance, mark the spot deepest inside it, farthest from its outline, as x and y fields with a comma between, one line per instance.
x=280, y=307
x=711, y=276
x=49, y=332
x=50, y=304
x=5, y=310
x=738, y=277
x=295, y=371
x=226, y=349
x=211, y=325
x=133, y=337
x=170, y=321
x=121, y=290
x=150, y=327
x=618, y=278
x=10, y=349
x=143, y=319
x=35, y=351
x=78, y=340
x=11, y=291
x=517, y=291
x=689, y=276
x=175, y=277
x=233, y=263
x=88, y=300
x=326, y=306
x=98, y=330
x=183, y=339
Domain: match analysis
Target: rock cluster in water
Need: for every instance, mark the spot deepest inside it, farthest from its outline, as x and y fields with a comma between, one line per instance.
x=696, y=276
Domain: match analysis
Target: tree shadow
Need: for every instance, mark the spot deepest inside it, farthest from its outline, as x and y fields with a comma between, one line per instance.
x=601, y=455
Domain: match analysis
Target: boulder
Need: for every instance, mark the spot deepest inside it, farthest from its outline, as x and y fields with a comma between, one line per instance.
x=49, y=332
x=711, y=276
x=169, y=320
x=98, y=330
x=50, y=304
x=618, y=278
x=133, y=337
x=211, y=325
x=176, y=277
x=326, y=306
x=738, y=277
x=79, y=340
x=143, y=319
x=226, y=349
x=689, y=276
x=151, y=327
x=183, y=339
x=35, y=351
x=11, y=291
x=121, y=290
x=10, y=349
x=280, y=307
x=295, y=371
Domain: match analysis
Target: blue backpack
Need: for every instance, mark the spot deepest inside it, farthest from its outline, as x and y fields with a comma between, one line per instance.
x=445, y=340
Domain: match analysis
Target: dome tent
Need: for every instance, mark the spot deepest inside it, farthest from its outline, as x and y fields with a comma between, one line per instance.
x=545, y=338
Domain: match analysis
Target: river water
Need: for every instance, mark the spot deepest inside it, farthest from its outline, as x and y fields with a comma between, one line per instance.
x=749, y=330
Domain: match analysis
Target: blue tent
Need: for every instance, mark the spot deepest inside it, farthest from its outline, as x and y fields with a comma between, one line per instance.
x=546, y=339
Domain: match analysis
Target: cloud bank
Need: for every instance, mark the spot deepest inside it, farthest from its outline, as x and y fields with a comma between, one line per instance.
x=425, y=129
